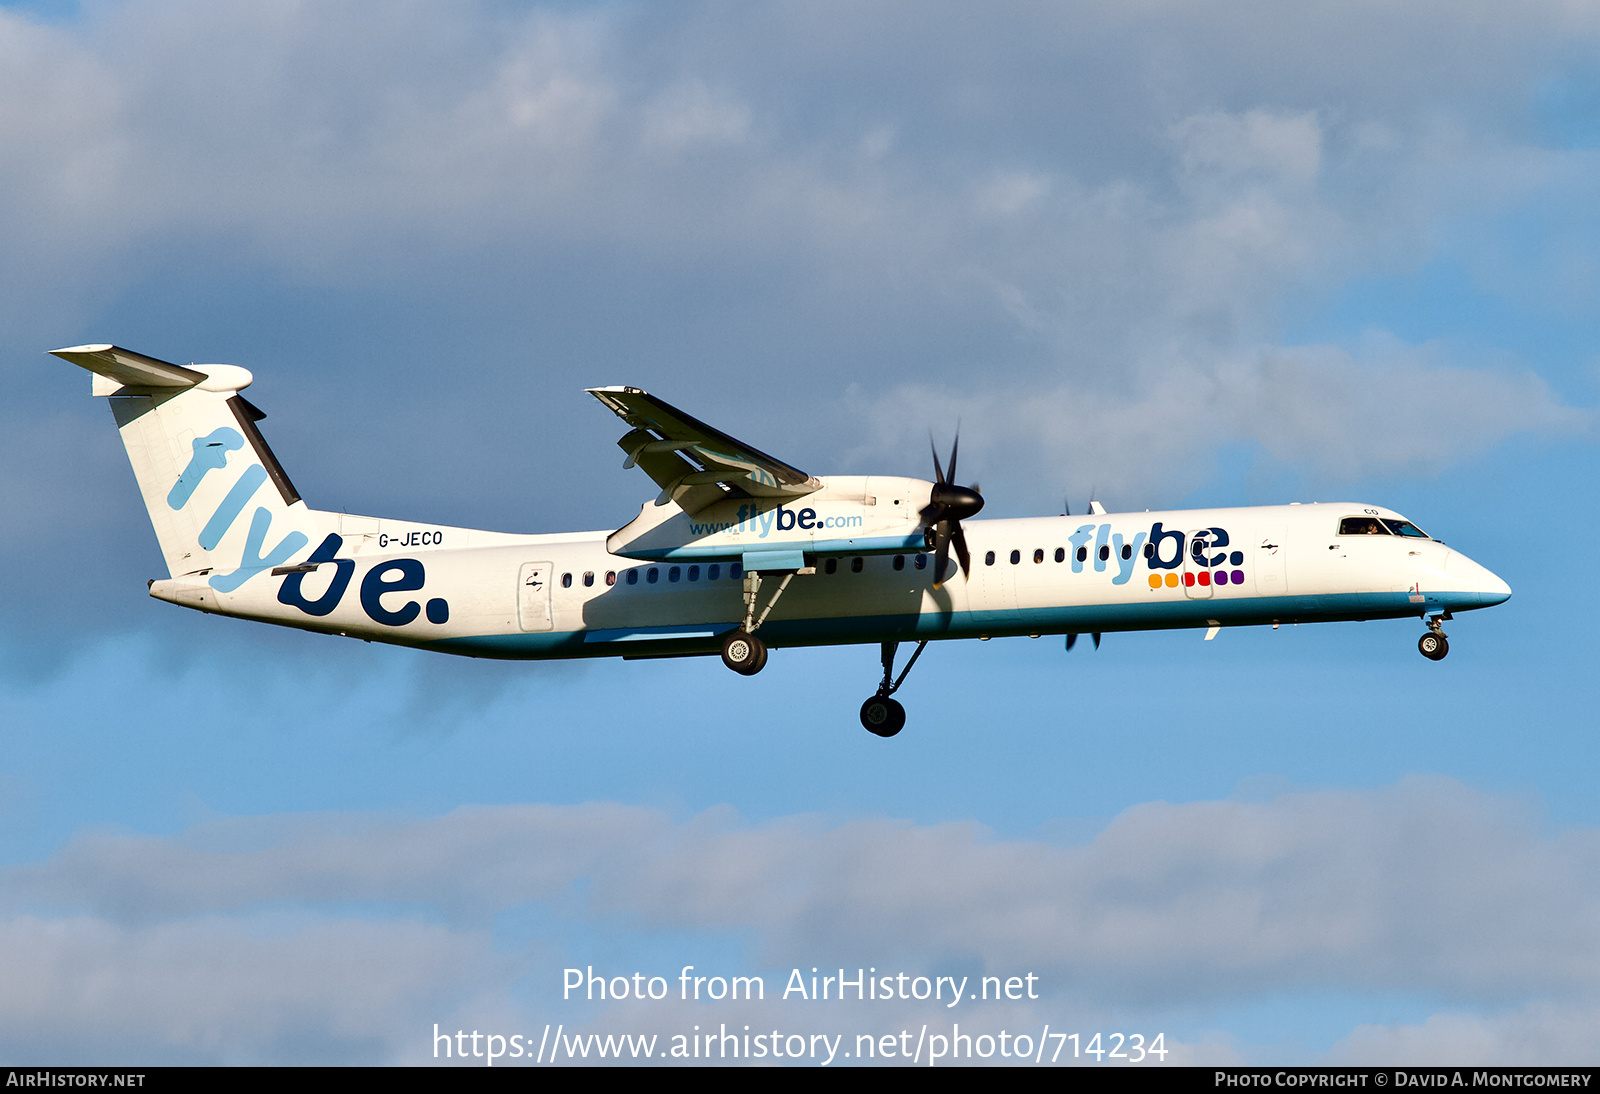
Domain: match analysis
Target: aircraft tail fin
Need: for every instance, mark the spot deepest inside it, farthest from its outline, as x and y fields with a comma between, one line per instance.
x=221, y=503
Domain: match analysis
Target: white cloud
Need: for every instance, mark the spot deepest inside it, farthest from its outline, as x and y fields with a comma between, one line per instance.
x=1235, y=147
x=81, y=990
x=691, y=113
x=1396, y=410
x=1540, y=1034
x=1426, y=888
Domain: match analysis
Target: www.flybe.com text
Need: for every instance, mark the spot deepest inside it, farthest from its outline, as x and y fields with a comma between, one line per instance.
x=763, y=521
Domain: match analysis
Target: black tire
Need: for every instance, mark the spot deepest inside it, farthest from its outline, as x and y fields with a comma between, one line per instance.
x=883, y=716
x=744, y=653
x=1433, y=646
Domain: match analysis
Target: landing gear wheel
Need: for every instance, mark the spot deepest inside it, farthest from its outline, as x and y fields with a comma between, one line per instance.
x=1433, y=646
x=883, y=716
x=744, y=653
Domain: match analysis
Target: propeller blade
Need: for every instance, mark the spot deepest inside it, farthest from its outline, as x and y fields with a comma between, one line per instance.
x=1096, y=637
x=941, y=559
x=960, y=539
x=1072, y=640
x=947, y=505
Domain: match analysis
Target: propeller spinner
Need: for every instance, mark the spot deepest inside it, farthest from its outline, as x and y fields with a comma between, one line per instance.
x=948, y=505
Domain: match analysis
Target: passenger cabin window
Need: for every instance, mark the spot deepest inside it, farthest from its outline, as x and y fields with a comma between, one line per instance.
x=1061, y=554
x=899, y=562
x=831, y=566
x=1016, y=557
x=611, y=578
x=1038, y=554
x=588, y=579
x=652, y=575
x=1362, y=526
x=633, y=577
x=566, y=581
x=921, y=562
x=672, y=574
x=1127, y=550
x=1083, y=554
x=694, y=573
x=736, y=570
x=855, y=565
x=1105, y=553
x=713, y=571
x=988, y=558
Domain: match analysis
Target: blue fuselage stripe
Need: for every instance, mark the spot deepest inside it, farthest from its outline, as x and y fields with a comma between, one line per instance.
x=837, y=630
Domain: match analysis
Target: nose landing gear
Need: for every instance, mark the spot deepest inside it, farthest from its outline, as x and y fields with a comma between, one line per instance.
x=881, y=714
x=1434, y=645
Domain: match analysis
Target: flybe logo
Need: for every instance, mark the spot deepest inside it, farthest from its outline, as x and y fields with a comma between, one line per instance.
x=395, y=575
x=1207, y=557
x=211, y=454
x=763, y=522
x=1204, y=550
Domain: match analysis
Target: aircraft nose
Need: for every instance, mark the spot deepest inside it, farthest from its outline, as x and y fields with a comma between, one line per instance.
x=1478, y=579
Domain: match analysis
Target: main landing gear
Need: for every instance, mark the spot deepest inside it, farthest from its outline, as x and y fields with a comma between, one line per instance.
x=881, y=714
x=742, y=651
x=1434, y=645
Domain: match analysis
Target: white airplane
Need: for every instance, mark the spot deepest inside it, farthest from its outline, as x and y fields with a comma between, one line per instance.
x=738, y=552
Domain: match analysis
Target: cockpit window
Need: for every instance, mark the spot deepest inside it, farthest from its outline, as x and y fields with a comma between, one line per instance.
x=1362, y=526
x=1405, y=528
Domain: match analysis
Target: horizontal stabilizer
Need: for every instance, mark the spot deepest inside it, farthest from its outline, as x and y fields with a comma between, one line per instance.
x=132, y=370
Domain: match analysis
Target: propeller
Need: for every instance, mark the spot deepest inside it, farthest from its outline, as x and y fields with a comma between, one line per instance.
x=948, y=505
x=1072, y=639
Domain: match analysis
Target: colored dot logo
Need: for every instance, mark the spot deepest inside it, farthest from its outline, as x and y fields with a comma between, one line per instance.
x=1204, y=577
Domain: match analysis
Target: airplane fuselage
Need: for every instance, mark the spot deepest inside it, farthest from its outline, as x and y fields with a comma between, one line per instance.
x=553, y=596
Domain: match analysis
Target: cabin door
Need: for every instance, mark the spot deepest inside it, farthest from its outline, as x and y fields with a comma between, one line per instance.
x=533, y=596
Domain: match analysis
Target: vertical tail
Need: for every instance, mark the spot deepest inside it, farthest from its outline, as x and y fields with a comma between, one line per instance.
x=220, y=502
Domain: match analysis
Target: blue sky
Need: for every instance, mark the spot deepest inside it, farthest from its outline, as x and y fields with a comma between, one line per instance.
x=1175, y=254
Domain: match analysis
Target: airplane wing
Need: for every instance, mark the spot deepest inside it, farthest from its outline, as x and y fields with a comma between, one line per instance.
x=694, y=464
